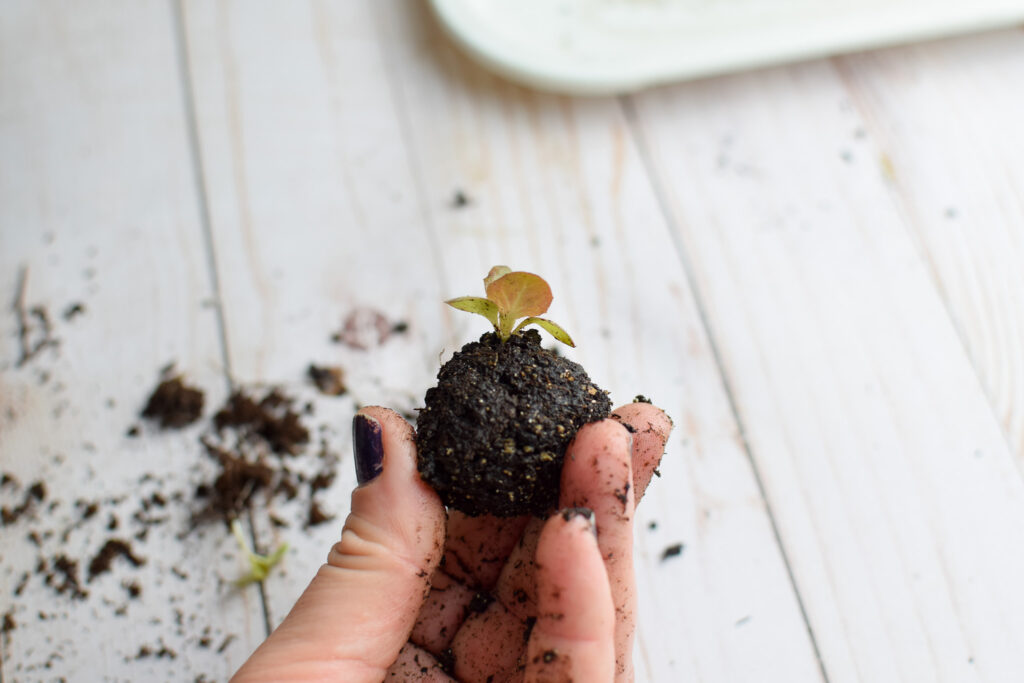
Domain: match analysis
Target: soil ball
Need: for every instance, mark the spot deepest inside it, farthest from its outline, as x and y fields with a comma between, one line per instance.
x=493, y=432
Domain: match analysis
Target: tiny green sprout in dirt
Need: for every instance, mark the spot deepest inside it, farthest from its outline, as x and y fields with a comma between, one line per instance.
x=259, y=565
x=512, y=295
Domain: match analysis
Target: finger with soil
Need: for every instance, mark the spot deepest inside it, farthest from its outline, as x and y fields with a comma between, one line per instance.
x=476, y=547
x=598, y=475
x=573, y=638
x=415, y=664
x=379, y=572
x=489, y=646
x=516, y=586
x=442, y=614
x=650, y=427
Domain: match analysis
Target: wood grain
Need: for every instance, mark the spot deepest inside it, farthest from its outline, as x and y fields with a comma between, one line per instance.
x=943, y=115
x=98, y=205
x=897, y=499
x=355, y=177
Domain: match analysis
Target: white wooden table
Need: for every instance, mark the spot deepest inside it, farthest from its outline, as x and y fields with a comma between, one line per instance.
x=818, y=270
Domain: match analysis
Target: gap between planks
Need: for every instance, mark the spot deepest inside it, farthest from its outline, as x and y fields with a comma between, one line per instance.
x=630, y=115
x=203, y=201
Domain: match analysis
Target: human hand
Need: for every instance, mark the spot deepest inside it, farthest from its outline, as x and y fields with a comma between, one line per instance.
x=501, y=599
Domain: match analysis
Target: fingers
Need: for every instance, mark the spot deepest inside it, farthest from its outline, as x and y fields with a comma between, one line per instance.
x=476, y=547
x=442, y=614
x=650, y=427
x=355, y=616
x=489, y=645
x=573, y=638
x=414, y=664
x=597, y=474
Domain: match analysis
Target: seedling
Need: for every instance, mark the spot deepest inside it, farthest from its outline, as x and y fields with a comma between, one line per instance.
x=259, y=565
x=492, y=434
x=512, y=295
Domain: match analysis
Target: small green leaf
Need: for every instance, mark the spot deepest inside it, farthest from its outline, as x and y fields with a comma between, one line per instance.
x=478, y=305
x=519, y=294
x=553, y=328
x=496, y=272
x=259, y=565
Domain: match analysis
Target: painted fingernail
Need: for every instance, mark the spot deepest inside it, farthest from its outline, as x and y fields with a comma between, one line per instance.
x=368, y=443
x=569, y=514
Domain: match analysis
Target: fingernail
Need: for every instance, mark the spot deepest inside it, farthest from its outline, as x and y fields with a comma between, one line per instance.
x=368, y=444
x=586, y=514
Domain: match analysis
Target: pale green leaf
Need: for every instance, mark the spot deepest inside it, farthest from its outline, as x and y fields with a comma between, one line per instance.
x=478, y=305
x=553, y=328
x=496, y=272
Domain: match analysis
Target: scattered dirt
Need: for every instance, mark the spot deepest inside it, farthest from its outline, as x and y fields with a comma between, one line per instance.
x=493, y=432
x=365, y=328
x=35, y=332
x=673, y=550
x=234, y=486
x=329, y=379
x=316, y=515
x=173, y=404
x=112, y=549
x=269, y=420
x=35, y=493
x=61, y=574
x=74, y=310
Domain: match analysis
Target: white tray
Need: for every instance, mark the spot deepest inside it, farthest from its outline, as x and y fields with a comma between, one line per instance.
x=610, y=46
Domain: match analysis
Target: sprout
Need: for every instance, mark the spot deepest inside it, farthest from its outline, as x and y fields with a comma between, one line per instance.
x=259, y=565
x=512, y=295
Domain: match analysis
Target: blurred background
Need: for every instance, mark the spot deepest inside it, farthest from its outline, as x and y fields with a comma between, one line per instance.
x=810, y=257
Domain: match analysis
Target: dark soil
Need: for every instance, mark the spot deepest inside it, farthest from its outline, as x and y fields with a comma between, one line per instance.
x=493, y=432
x=173, y=404
x=673, y=550
x=270, y=419
x=112, y=549
x=330, y=380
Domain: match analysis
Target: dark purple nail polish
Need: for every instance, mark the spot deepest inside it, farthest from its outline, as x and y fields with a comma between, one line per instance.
x=368, y=444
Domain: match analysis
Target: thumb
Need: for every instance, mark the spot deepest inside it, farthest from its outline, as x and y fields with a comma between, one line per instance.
x=356, y=614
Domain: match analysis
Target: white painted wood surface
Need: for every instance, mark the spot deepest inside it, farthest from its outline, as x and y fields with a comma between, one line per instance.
x=769, y=256
x=98, y=202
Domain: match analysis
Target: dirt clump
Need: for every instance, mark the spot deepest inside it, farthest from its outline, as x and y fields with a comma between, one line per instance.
x=112, y=549
x=174, y=404
x=493, y=432
x=329, y=379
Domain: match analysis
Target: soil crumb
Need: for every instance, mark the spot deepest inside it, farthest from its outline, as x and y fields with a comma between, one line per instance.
x=672, y=551
x=112, y=549
x=460, y=200
x=74, y=310
x=329, y=379
x=270, y=420
x=62, y=576
x=35, y=493
x=316, y=515
x=173, y=404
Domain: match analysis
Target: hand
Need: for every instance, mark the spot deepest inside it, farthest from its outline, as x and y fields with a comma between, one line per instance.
x=501, y=599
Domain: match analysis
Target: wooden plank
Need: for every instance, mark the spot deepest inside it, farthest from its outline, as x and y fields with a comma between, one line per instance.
x=557, y=186
x=98, y=205
x=385, y=123
x=942, y=114
x=896, y=497
x=315, y=216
